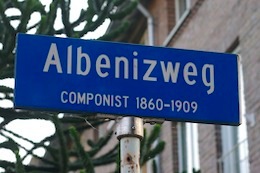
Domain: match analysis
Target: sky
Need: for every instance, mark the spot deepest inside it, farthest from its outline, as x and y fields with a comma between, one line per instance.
x=30, y=128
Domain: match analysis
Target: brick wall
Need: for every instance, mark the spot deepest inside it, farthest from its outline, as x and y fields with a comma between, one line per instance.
x=164, y=18
x=250, y=52
x=167, y=156
x=215, y=26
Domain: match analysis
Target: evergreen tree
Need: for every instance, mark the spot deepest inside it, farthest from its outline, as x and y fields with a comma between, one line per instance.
x=69, y=128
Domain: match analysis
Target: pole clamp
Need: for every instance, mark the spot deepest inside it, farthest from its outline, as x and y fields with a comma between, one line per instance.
x=130, y=127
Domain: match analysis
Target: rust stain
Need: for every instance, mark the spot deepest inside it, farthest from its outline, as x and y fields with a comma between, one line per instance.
x=129, y=159
x=129, y=162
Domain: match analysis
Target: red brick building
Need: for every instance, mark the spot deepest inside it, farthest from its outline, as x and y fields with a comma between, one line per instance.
x=210, y=25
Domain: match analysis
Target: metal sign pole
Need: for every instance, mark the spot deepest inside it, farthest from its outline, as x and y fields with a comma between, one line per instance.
x=130, y=133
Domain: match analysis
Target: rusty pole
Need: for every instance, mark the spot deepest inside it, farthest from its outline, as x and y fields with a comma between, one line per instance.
x=130, y=133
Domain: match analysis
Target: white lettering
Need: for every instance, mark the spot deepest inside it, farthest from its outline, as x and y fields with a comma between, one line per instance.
x=125, y=65
x=135, y=69
x=190, y=70
x=123, y=68
x=90, y=97
x=135, y=66
x=106, y=100
x=118, y=101
x=72, y=97
x=69, y=60
x=81, y=98
x=98, y=99
x=100, y=65
x=125, y=101
x=53, y=52
x=147, y=74
x=210, y=83
x=170, y=71
x=64, y=100
x=81, y=55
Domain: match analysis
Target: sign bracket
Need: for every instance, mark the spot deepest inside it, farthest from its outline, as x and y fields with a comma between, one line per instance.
x=130, y=132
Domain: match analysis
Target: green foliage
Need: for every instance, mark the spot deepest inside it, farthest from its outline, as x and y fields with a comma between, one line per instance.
x=10, y=144
x=65, y=143
x=19, y=168
x=63, y=154
x=100, y=10
x=147, y=150
x=92, y=17
x=195, y=171
x=154, y=167
x=84, y=156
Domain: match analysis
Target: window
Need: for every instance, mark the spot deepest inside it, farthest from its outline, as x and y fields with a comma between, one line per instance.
x=182, y=9
x=188, y=148
x=234, y=154
x=229, y=158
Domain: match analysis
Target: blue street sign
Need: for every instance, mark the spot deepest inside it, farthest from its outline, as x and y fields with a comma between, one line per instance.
x=75, y=75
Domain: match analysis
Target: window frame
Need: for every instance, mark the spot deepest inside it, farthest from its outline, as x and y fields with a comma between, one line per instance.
x=234, y=143
x=181, y=17
x=188, y=147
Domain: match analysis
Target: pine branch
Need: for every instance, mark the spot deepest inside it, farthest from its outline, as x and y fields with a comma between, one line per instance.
x=154, y=166
x=97, y=5
x=152, y=153
x=100, y=144
x=15, y=17
x=17, y=135
x=10, y=114
x=65, y=9
x=14, y=3
x=6, y=89
x=25, y=17
x=195, y=171
x=147, y=152
x=90, y=11
x=153, y=135
x=42, y=25
x=29, y=168
x=63, y=165
x=101, y=16
x=107, y=158
x=7, y=164
x=123, y=12
x=51, y=17
x=19, y=165
x=85, y=158
x=30, y=151
x=107, y=154
x=7, y=63
x=81, y=118
x=118, y=2
x=46, y=24
x=9, y=144
x=117, y=170
x=115, y=33
x=34, y=26
x=6, y=21
x=7, y=71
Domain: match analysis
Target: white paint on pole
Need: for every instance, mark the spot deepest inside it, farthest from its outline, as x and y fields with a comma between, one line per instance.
x=130, y=154
x=130, y=132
